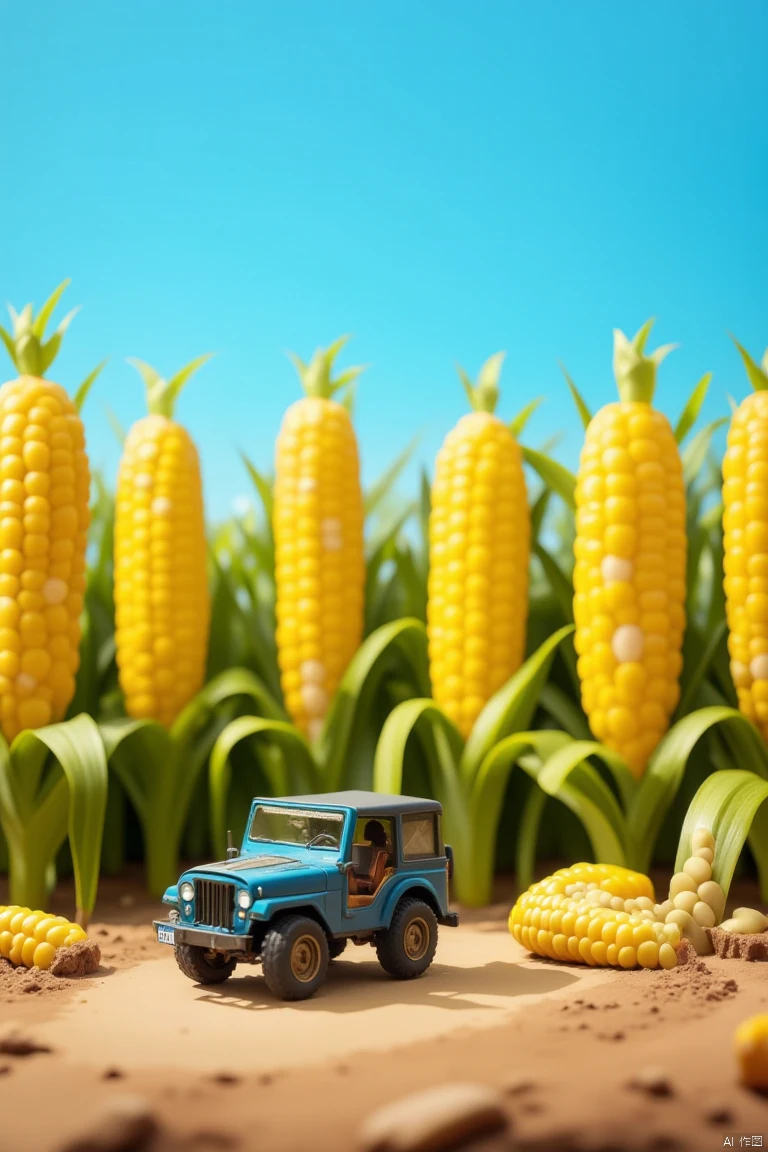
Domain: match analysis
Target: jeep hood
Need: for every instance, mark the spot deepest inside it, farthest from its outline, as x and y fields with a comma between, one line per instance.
x=275, y=875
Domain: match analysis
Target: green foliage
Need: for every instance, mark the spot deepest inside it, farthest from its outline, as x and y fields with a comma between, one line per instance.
x=53, y=784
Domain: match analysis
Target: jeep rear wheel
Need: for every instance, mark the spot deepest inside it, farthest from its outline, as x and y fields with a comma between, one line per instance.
x=407, y=948
x=202, y=966
x=294, y=956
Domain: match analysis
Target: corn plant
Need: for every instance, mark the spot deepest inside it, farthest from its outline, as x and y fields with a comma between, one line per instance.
x=53, y=784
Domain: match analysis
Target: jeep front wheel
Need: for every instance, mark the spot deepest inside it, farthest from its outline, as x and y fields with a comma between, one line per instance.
x=407, y=948
x=294, y=956
x=202, y=966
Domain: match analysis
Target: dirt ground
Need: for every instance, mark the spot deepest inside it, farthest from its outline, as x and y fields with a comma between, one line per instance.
x=582, y=1059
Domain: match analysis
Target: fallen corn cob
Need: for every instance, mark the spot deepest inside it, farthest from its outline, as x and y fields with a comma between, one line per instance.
x=32, y=939
x=604, y=915
x=752, y=1052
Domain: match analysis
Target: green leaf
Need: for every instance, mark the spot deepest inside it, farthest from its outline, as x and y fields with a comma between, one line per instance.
x=10, y=344
x=74, y=805
x=380, y=490
x=81, y=395
x=555, y=475
x=538, y=512
x=511, y=708
x=757, y=377
x=698, y=659
x=352, y=701
x=731, y=804
x=115, y=425
x=518, y=424
x=442, y=744
x=263, y=486
x=578, y=399
x=44, y=315
x=293, y=773
x=575, y=784
x=528, y=836
x=690, y=413
x=664, y=774
x=696, y=453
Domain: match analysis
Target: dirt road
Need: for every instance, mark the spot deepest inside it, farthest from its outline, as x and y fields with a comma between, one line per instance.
x=230, y=1068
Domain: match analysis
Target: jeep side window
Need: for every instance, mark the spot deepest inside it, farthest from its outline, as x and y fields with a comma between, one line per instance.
x=419, y=836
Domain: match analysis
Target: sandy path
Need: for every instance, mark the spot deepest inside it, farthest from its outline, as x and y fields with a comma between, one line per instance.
x=152, y=1015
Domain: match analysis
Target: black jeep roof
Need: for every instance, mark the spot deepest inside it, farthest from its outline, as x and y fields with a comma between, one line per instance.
x=364, y=802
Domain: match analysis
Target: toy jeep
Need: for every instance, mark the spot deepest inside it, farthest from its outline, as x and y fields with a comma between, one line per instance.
x=314, y=872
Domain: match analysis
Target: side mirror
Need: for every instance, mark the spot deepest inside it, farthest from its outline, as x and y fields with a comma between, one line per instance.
x=345, y=866
x=232, y=852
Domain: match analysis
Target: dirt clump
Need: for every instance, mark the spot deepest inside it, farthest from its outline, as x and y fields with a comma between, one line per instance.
x=15, y=1044
x=80, y=959
x=123, y=1124
x=738, y=945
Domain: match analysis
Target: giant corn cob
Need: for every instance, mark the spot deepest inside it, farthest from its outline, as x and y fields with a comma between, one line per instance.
x=479, y=541
x=630, y=551
x=745, y=527
x=318, y=528
x=604, y=915
x=44, y=516
x=32, y=938
x=162, y=603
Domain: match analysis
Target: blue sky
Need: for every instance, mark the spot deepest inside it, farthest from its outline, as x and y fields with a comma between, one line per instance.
x=441, y=180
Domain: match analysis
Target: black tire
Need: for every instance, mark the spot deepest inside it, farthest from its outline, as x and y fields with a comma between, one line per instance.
x=294, y=957
x=202, y=966
x=336, y=947
x=407, y=948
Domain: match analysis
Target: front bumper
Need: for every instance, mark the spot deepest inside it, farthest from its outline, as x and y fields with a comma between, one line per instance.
x=207, y=938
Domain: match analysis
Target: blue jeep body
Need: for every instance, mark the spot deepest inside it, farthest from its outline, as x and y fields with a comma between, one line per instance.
x=305, y=857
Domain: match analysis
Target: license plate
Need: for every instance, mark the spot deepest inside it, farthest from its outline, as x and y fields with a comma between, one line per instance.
x=165, y=934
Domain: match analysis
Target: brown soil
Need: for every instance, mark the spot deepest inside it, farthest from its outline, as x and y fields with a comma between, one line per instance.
x=576, y=1060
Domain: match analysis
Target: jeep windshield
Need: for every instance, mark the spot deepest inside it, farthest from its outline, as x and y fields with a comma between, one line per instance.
x=304, y=827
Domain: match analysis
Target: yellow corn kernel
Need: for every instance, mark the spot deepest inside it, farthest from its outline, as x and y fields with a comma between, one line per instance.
x=479, y=542
x=162, y=602
x=752, y=1052
x=745, y=540
x=630, y=554
x=318, y=529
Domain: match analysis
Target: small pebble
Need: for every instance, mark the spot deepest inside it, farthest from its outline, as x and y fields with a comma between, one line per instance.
x=655, y=1081
x=438, y=1118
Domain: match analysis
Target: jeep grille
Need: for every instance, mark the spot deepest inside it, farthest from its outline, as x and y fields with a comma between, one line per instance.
x=214, y=903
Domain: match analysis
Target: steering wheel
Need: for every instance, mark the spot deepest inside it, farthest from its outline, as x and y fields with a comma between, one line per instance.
x=327, y=836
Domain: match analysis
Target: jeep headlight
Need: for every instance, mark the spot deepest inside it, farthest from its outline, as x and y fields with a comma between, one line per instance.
x=244, y=898
x=187, y=891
